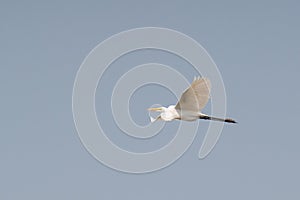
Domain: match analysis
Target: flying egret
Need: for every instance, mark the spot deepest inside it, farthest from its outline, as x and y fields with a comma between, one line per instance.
x=190, y=104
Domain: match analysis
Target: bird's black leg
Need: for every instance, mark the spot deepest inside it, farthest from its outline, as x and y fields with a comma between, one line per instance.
x=205, y=117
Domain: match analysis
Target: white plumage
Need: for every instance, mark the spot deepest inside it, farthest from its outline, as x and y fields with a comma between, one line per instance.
x=191, y=102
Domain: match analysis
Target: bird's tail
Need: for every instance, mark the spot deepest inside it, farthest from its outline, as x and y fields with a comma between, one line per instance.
x=206, y=117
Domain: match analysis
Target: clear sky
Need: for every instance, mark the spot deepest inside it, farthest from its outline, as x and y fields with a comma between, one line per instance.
x=255, y=45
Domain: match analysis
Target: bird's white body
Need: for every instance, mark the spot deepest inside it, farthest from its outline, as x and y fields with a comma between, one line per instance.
x=169, y=113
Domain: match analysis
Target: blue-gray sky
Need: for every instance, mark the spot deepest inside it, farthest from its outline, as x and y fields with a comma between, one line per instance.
x=255, y=45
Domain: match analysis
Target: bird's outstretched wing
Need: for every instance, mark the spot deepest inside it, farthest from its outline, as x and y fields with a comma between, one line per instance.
x=196, y=96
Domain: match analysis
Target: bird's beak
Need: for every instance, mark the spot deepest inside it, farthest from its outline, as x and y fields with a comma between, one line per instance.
x=154, y=109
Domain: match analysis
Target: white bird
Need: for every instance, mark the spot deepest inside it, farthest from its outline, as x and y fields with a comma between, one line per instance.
x=191, y=102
